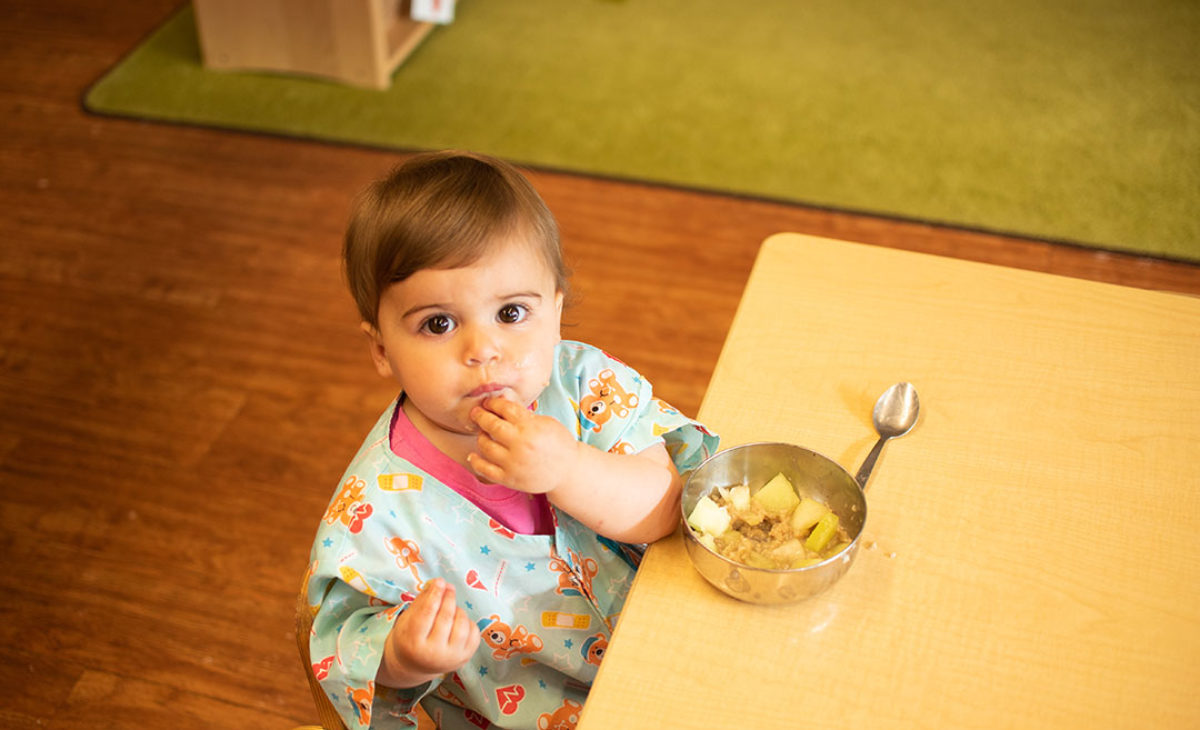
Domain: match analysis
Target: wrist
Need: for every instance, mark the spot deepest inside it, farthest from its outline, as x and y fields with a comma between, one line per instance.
x=395, y=674
x=572, y=465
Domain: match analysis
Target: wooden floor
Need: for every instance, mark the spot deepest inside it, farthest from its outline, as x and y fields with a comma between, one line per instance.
x=183, y=380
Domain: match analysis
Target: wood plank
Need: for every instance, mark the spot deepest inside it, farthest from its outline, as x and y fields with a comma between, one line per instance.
x=183, y=380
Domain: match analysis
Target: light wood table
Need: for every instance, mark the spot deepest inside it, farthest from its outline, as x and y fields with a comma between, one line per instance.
x=1032, y=554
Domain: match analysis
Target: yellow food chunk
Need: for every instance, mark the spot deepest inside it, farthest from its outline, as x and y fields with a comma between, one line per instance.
x=822, y=533
x=777, y=496
x=788, y=552
x=807, y=514
x=708, y=518
x=739, y=498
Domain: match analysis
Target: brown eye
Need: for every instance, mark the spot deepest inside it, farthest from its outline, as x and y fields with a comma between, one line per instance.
x=438, y=324
x=512, y=313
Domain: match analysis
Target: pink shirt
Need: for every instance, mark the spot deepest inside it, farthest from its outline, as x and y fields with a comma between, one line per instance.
x=527, y=514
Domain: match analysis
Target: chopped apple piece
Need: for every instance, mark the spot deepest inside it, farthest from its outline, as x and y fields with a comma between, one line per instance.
x=789, y=551
x=739, y=497
x=707, y=517
x=777, y=496
x=822, y=533
x=807, y=514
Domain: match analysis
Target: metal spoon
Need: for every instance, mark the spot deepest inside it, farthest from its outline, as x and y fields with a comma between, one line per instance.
x=895, y=414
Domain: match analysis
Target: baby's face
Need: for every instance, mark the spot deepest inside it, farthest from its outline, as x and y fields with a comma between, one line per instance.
x=452, y=337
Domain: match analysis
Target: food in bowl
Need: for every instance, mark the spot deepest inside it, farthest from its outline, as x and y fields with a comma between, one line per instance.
x=773, y=528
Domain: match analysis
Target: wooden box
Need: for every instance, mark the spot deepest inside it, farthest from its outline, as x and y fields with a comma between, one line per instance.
x=358, y=42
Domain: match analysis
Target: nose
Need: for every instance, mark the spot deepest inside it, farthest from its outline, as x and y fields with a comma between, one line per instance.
x=481, y=346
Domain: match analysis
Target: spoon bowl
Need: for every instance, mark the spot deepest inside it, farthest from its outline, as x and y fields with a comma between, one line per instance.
x=895, y=414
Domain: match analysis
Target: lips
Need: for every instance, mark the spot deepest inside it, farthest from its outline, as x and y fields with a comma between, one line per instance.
x=485, y=390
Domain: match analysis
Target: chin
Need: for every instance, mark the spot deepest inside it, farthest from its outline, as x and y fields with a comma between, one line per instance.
x=466, y=428
x=457, y=425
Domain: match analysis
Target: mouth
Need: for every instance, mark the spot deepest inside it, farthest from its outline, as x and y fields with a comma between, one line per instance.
x=486, y=390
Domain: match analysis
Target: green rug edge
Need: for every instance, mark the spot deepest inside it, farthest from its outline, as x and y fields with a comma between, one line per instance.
x=186, y=93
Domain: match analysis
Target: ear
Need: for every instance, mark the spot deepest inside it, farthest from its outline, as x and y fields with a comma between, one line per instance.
x=378, y=350
x=558, y=306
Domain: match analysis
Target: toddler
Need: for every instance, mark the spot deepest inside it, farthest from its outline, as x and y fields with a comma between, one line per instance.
x=479, y=549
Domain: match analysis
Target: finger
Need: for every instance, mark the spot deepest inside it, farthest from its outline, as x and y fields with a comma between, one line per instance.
x=490, y=449
x=443, y=620
x=449, y=605
x=485, y=469
x=418, y=616
x=489, y=423
x=464, y=635
x=506, y=409
x=423, y=610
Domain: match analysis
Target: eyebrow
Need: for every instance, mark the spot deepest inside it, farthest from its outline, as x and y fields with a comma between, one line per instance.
x=438, y=305
x=522, y=295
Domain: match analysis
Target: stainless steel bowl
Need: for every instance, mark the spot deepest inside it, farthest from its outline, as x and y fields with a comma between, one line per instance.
x=812, y=475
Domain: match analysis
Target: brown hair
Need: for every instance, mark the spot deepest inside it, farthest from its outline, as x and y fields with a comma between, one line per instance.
x=441, y=210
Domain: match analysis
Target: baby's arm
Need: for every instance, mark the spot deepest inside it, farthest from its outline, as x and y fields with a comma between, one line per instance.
x=430, y=637
x=631, y=498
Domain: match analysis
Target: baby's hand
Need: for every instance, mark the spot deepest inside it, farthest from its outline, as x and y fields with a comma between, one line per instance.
x=521, y=449
x=430, y=637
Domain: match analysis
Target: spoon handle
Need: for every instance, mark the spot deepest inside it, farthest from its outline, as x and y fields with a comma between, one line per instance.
x=864, y=471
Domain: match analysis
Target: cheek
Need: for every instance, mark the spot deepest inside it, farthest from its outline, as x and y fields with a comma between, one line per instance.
x=536, y=353
x=413, y=372
x=536, y=365
x=525, y=362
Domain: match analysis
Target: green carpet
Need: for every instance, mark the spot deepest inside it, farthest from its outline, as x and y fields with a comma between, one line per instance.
x=1076, y=122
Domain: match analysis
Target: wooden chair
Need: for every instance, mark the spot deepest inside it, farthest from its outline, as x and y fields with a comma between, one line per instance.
x=330, y=720
x=304, y=621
